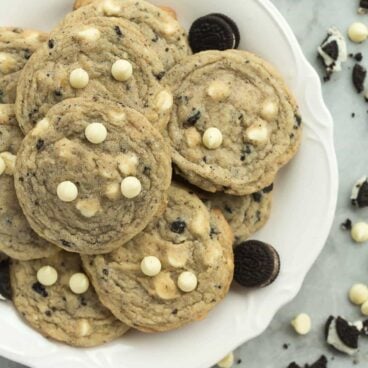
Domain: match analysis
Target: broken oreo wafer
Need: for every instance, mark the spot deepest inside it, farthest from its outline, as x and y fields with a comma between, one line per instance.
x=211, y=32
x=5, y=289
x=359, y=75
x=363, y=7
x=320, y=363
x=257, y=264
x=233, y=26
x=359, y=193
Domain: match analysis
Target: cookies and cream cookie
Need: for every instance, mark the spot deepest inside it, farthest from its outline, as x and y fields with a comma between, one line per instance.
x=92, y=175
x=43, y=295
x=171, y=274
x=234, y=123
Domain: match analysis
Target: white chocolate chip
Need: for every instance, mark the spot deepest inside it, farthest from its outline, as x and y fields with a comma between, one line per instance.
x=226, y=362
x=358, y=32
x=193, y=137
x=40, y=127
x=79, y=78
x=187, y=281
x=47, y=275
x=113, y=191
x=170, y=28
x=151, y=266
x=6, y=113
x=131, y=187
x=9, y=160
x=67, y=191
x=165, y=287
x=7, y=63
x=165, y=101
x=79, y=283
x=302, y=324
x=269, y=110
x=358, y=294
x=212, y=138
x=359, y=232
x=88, y=207
x=177, y=257
x=96, y=133
x=258, y=133
x=117, y=117
x=90, y=34
x=218, y=90
x=2, y=166
x=84, y=328
x=364, y=308
x=122, y=70
x=111, y=8
x=200, y=224
x=127, y=164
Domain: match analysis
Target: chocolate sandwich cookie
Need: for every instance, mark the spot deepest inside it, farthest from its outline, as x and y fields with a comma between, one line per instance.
x=17, y=239
x=16, y=47
x=175, y=272
x=342, y=335
x=106, y=57
x=213, y=32
x=257, y=264
x=92, y=175
x=164, y=33
x=5, y=288
x=359, y=193
x=55, y=297
x=234, y=123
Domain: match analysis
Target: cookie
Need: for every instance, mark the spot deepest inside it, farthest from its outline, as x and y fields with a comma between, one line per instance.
x=342, y=335
x=190, y=263
x=257, y=264
x=246, y=214
x=5, y=288
x=16, y=47
x=92, y=175
x=233, y=26
x=234, y=123
x=359, y=193
x=17, y=239
x=211, y=32
x=165, y=34
x=56, y=311
x=105, y=57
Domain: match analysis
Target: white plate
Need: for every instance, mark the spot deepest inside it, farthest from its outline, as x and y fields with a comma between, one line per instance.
x=304, y=205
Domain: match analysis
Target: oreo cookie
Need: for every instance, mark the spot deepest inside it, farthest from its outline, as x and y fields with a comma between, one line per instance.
x=348, y=333
x=5, y=288
x=233, y=26
x=212, y=32
x=359, y=193
x=257, y=264
x=359, y=76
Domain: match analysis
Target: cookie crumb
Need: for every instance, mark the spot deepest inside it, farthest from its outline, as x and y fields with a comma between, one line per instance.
x=346, y=225
x=359, y=76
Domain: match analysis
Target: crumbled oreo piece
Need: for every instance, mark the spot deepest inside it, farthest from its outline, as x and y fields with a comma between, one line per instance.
x=320, y=363
x=358, y=56
x=40, y=289
x=5, y=288
x=233, y=26
x=192, y=119
x=359, y=75
x=178, y=226
x=348, y=333
x=359, y=193
x=364, y=329
x=268, y=189
x=257, y=264
x=211, y=32
x=363, y=7
x=293, y=365
x=346, y=225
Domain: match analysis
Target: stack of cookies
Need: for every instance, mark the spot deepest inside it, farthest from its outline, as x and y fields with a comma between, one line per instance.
x=131, y=168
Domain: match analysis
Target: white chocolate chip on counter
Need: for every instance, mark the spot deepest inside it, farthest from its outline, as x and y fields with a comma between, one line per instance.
x=227, y=361
x=364, y=308
x=127, y=164
x=269, y=110
x=79, y=78
x=358, y=32
x=88, y=207
x=2, y=166
x=84, y=328
x=193, y=137
x=302, y=324
x=187, y=281
x=90, y=34
x=67, y=191
x=79, y=283
x=359, y=232
x=113, y=191
x=47, y=275
x=218, y=90
x=131, y=187
x=96, y=133
x=258, y=133
x=358, y=294
x=7, y=63
x=9, y=161
x=122, y=70
x=212, y=138
x=110, y=8
x=165, y=101
x=165, y=287
x=40, y=127
x=151, y=266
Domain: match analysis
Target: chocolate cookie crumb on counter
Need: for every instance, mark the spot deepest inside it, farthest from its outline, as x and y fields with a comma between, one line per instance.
x=359, y=75
x=359, y=193
x=346, y=225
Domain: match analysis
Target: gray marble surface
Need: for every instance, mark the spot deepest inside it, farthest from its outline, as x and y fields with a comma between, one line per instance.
x=342, y=263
